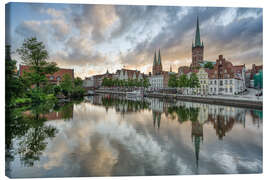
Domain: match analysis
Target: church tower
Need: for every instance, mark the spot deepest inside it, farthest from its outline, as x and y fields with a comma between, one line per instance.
x=197, y=48
x=157, y=65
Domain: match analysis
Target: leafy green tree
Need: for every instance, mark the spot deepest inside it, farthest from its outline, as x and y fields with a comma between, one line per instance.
x=34, y=54
x=194, y=81
x=183, y=81
x=146, y=83
x=57, y=90
x=13, y=84
x=208, y=65
x=78, y=82
x=172, y=80
x=78, y=90
x=67, y=85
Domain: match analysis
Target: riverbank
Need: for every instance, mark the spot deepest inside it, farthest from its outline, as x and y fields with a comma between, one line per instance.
x=237, y=101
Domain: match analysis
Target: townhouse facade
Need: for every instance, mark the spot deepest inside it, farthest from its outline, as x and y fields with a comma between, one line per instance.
x=226, y=79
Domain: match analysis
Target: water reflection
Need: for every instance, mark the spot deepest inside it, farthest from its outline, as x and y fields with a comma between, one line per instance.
x=111, y=135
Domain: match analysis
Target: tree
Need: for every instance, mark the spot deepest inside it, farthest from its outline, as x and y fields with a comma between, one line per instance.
x=194, y=81
x=13, y=84
x=146, y=83
x=67, y=85
x=172, y=80
x=78, y=82
x=34, y=54
x=208, y=65
x=78, y=90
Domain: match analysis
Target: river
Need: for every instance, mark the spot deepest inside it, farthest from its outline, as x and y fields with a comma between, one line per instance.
x=113, y=136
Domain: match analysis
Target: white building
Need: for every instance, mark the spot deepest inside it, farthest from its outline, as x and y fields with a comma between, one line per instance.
x=228, y=86
x=159, y=81
x=88, y=82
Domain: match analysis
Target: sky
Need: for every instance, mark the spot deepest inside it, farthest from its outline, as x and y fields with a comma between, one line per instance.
x=92, y=39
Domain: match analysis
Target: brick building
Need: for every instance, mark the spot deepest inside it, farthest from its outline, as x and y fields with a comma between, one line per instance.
x=55, y=78
x=197, y=49
x=226, y=78
x=159, y=78
x=157, y=65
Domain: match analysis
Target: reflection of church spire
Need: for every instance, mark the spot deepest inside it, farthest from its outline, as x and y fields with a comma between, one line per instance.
x=197, y=138
x=156, y=119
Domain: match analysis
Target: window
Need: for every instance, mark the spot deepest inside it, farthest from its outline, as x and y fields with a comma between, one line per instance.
x=231, y=89
x=215, y=89
x=58, y=78
x=226, y=90
x=226, y=82
x=221, y=82
x=215, y=82
x=211, y=89
x=230, y=81
x=51, y=77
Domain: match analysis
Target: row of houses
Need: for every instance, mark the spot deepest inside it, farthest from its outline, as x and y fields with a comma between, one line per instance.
x=223, y=79
x=95, y=81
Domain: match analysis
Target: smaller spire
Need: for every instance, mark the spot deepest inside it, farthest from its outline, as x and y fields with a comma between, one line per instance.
x=159, y=57
x=155, y=59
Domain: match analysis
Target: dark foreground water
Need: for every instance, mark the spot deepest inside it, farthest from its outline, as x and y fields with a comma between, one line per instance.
x=112, y=136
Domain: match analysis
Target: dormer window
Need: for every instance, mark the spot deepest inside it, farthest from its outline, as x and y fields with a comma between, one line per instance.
x=58, y=78
x=51, y=77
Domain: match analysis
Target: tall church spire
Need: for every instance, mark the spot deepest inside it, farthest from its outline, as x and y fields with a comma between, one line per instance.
x=197, y=37
x=159, y=57
x=155, y=59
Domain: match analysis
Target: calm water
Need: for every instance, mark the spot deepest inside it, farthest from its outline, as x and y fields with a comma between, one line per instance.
x=112, y=136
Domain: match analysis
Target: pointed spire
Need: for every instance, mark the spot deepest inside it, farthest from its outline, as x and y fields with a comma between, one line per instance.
x=197, y=37
x=159, y=57
x=155, y=59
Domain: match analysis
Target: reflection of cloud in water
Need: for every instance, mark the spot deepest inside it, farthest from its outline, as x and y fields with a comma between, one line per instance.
x=98, y=144
x=103, y=142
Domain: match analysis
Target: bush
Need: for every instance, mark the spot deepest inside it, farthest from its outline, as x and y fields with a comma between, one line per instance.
x=22, y=101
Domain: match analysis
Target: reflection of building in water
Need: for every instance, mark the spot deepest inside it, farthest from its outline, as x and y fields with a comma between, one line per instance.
x=224, y=117
x=156, y=118
x=257, y=116
x=156, y=104
x=197, y=138
x=94, y=99
x=203, y=109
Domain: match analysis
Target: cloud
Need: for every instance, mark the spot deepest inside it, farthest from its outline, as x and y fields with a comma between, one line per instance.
x=53, y=12
x=239, y=36
x=100, y=36
x=95, y=20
